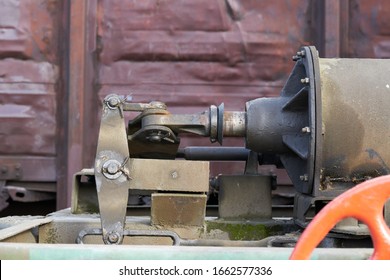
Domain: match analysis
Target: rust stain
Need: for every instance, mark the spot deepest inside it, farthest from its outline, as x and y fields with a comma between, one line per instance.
x=188, y=54
x=28, y=75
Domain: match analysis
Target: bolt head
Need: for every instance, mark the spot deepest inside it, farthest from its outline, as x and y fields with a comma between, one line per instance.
x=174, y=174
x=304, y=178
x=113, y=237
x=112, y=168
x=305, y=80
x=114, y=101
x=155, y=138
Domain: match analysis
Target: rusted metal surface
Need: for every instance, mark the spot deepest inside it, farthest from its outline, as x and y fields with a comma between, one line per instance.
x=28, y=168
x=17, y=226
x=369, y=29
x=177, y=49
x=193, y=54
x=58, y=57
x=28, y=74
x=79, y=121
x=178, y=210
x=355, y=121
x=171, y=175
x=244, y=197
x=331, y=27
x=112, y=170
x=115, y=172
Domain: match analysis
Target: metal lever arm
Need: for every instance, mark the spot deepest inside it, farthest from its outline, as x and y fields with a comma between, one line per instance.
x=156, y=122
x=112, y=170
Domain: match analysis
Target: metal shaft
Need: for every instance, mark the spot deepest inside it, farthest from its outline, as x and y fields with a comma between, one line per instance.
x=214, y=153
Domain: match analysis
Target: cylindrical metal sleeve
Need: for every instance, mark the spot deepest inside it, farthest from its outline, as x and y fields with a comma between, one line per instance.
x=234, y=124
x=267, y=123
x=355, y=119
x=214, y=153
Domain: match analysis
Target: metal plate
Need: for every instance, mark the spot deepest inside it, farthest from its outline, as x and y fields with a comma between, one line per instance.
x=169, y=175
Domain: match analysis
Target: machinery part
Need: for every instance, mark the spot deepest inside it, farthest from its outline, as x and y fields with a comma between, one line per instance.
x=324, y=103
x=111, y=170
x=177, y=241
x=156, y=125
x=155, y=134
x=286, y=125
x=156, y=233
x=245, y=197
x=355, y=122
x=169, y=175
x=213, y=115
x=310, y=125
x=178, y=209
x=299, y=127
x=214, y=153
x=364, y=202
x=21, y=227
x=220, y=126
x=115, y=172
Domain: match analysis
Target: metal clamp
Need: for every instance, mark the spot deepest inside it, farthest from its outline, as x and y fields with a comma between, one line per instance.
x=155, y=233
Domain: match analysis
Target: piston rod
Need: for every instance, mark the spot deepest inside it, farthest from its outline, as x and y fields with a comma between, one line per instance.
x=214, y=153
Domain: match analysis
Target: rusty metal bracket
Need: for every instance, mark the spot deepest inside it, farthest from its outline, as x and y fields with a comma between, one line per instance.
x=153, y=233
x=112, y=170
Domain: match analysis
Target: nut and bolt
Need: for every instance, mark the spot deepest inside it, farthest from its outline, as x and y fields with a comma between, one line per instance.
x=299, y=55
x=306, y=129
x=304, y=178
x=113, y=237
x=155, y=138
x=305, y=80
x=112, y=169
x=174, y=175
x=113, y=101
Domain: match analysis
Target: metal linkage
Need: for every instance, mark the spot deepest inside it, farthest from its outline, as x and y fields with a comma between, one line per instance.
x=154, y=233
x=112, y=170
x=271, y=241
x=156, y=124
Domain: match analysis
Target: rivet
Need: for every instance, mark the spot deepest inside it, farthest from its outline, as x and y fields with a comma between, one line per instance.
x=304, y=177
x=305, y=80
x=113, y=237
x=174, y=174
